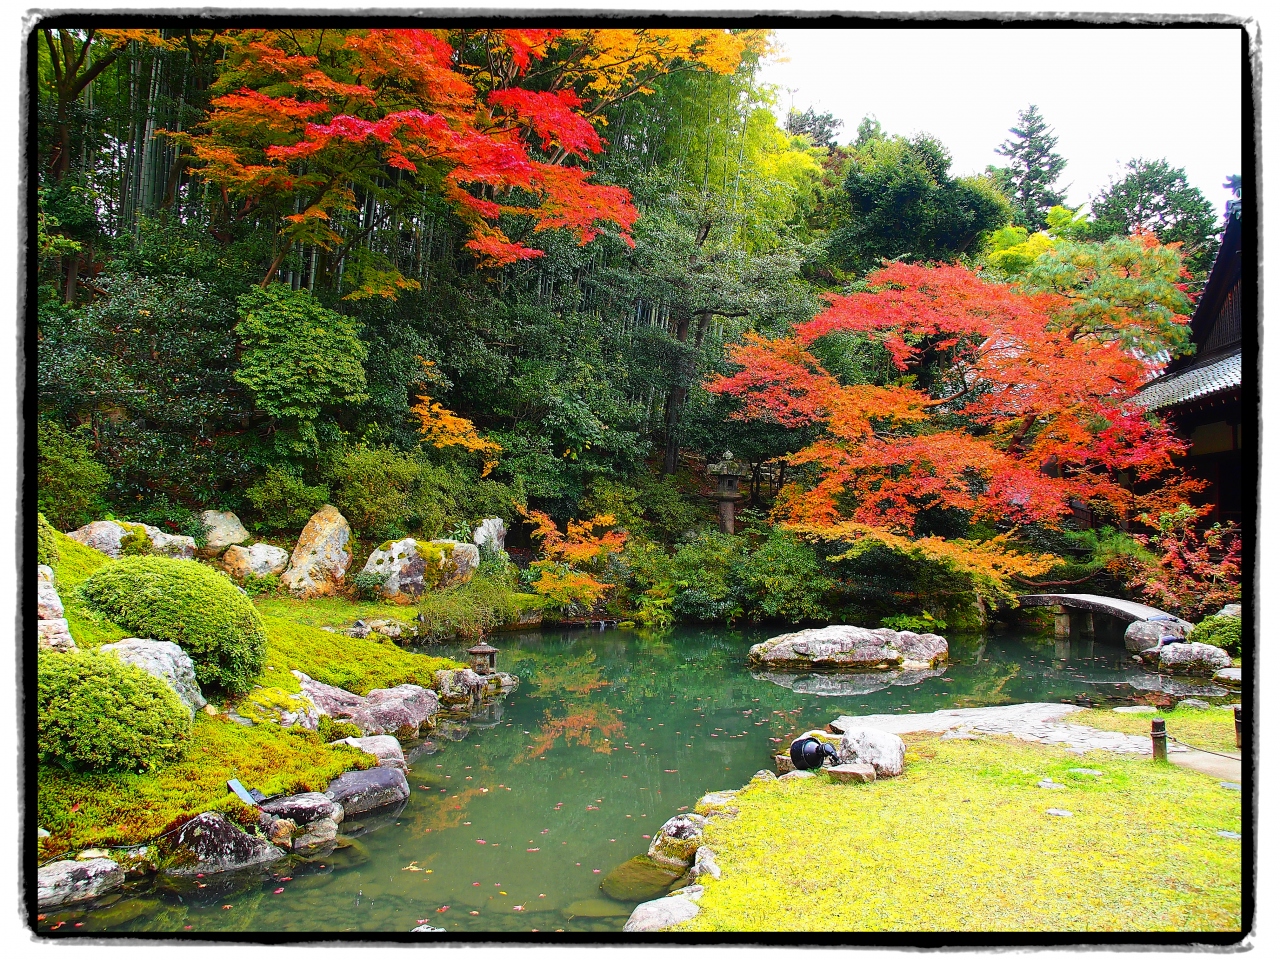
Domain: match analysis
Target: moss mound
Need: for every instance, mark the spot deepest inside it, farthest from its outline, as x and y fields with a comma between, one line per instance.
x=189, y=604
x=96, y=713
x=46, y=541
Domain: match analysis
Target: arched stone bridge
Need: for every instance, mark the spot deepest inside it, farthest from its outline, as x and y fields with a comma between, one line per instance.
x=1092, y=603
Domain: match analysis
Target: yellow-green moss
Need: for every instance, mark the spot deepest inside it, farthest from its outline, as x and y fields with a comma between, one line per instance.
x=125, y=808
x=262, y=703
x=1214, y=729
x=962, y=842
x=336, y=612
x=347, y=662
x=75, y=564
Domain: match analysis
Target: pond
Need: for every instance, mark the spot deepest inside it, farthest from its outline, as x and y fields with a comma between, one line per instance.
x=514, y=820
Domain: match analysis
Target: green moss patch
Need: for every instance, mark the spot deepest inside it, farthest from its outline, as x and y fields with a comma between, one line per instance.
x=90, y=809
x=336, y=612
x=1214, y=729
x=347, y=662
x=472, y=609
x=962, y=842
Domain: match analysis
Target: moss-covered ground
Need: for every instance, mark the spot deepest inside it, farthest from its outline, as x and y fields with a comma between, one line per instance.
x=91, y=809
x=1214, y=729
x=962, y=842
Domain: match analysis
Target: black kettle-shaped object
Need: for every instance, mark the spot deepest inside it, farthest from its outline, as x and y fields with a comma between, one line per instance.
x=809, y=753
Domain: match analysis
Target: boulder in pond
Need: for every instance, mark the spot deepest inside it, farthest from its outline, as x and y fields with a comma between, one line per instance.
x=882, y=750
x=678, y=840
x=223, y=529
x=386, y=749
x=304, y=808
x=1145, y=634
x=465, y=685
x=209, y=843
x=320, y=560
x=362, y=790
x=319, y=836
x=256, y=560
x=640, y=878
x=165, y=660
x=70, y=881
x=1201, y=659
x=854, y=648
x=661, y=914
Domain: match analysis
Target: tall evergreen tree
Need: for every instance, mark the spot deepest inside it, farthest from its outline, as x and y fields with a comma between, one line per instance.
x=1033, y=170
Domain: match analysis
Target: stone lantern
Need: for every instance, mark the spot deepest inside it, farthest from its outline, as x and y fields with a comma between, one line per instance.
x=728, y=474
x=483, y=658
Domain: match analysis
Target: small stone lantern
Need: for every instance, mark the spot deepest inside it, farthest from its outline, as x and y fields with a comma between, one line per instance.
x=483, y=658
x=728, y=473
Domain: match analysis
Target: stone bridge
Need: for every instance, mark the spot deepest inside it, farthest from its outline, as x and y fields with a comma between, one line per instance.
x=1091, y=603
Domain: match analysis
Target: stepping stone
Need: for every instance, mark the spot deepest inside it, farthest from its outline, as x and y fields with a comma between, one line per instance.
x=1050, y=785
x=1195, y=704
x=1138, y=709
x=1085, y=772
x=1227, y=785
x=1055, y=812
x=852, y=773
x=1229, y=834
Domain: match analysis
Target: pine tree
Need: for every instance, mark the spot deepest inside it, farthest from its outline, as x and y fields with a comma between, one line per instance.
x=1033, y=170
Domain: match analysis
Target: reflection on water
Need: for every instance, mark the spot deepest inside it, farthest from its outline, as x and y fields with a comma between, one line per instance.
x=515, y=818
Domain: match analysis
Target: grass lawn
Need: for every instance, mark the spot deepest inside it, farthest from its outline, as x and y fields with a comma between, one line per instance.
x=961, y=842
x=1213, y=729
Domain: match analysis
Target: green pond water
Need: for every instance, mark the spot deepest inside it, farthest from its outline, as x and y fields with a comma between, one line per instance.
x=516, y=818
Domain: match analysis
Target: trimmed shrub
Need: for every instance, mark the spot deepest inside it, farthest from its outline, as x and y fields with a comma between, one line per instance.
x=69, y=480
x=373, y=487
x=46, y=542
x=189, y=604
x=95, y=712
x=1221, y=632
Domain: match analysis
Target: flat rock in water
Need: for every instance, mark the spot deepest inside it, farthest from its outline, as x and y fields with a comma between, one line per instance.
x=639, y=878
x=849, y=647
x=209, y=843
x=362, y=790
x=304, y=808
x=1229, y=675
x=598, y=908
x=1195, y=658
x=678, y=840
x=660, y=914
x=70, y=881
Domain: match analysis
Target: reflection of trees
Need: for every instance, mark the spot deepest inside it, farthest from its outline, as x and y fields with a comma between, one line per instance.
x=987, y=682
x=586, y=724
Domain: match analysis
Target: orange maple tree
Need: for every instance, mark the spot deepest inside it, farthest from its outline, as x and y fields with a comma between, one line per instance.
x=572, y=562
x=1025, y=414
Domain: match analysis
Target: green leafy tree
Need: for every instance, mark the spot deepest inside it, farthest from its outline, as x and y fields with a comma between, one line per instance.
x=1028, y=181
x=301, y=360
x=820, y=128
x=906, y=206
x=1153, y=195
x=69, y=480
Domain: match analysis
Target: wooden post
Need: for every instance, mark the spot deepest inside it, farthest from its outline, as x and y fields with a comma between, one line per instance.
x=1061, y=622
x=1239, y=743
x=1159, y=742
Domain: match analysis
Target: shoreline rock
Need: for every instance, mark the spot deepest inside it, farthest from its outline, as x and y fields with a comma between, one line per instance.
x=71, y=881
x=399, y=710
x=209, y=843
x=360, y=791
x=841, y=646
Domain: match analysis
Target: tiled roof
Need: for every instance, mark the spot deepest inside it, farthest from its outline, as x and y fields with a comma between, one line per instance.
x=1193, y=383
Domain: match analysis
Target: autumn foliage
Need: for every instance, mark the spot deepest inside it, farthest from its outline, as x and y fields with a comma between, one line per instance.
x=572, y=563
x=1025, y=413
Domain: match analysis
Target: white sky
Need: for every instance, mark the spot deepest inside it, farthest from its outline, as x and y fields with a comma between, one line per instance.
x=1109, y=94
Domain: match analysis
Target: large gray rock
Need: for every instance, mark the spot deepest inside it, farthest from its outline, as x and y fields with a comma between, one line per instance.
x=1202, y=659
x=1230, y=610
x=105, y=537
x=399, y=710
x=318, y=837
x=304, y=808
x=491, y=534
x=661, y=914
x=460, y=686
x=48, y=603
x=362, y=790
x=163, y=659
x=209, y=843
x=386, y=749
x=722, y=803
x=321, y=557
x=882, y=750
x=677, y=841
x=258, y=560
x=1229, y=675
x=405, y=569
x=1144, y=634
x=70, y=881
x=459, y=561
x=54, y=635
x=222, y=529
x=855, y=648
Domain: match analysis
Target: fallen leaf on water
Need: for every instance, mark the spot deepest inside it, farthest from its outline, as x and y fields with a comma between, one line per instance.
x=503, y=892
x=476, y=883
x=532, y=849
x=482, y=841
x=278, y=890
x=595, y=871
x=544, y=831
x=413, y=866
x=518, y=907
x=475, y=913
x=442, y=909
x=646, y=836
x=670, y=771
x=226, y=906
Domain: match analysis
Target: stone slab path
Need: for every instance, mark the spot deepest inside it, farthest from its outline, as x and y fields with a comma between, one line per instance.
x=1033, y=722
